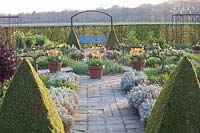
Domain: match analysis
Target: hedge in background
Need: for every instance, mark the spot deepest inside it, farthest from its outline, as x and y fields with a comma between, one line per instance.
x=73, y=40
x=112, y=42
x=177, y=109
x=27, y=106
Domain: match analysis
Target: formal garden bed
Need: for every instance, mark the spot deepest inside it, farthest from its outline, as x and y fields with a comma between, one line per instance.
x=154, y=63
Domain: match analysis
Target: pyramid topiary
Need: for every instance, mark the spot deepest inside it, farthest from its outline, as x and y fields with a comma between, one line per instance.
x=112, y=42
x=27, y=106
x=73, y=40
x=177, y=109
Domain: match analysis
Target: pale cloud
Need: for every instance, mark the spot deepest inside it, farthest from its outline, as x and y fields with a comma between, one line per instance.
x=16, y=6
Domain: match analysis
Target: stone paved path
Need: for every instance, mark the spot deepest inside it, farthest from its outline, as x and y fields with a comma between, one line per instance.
x=103, y=108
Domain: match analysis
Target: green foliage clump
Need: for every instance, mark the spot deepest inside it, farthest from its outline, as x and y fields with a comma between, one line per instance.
x=131, y=39
x=29, y=41
x=112, y=67
x=150, y=37
x=125, y=59
x=194, y=57
x=179, y=46
x=73, y=40
x=19, y=39
x=45, y=78
x=68, y=84
x=152, y=62
x=112, y=42
x=161, y=40
x=172, y=60
x=66, y=61
x=27, y=106
x=39, y=40
x=177, y=109
x=189, y=50
x=42, y=63
x=94, y=62
x=79, y=67
x=155, y=77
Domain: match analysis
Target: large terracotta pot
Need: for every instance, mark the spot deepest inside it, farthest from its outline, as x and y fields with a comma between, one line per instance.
x=54, y=67
x=95, y=72
x=138, y=65
x=196, y=51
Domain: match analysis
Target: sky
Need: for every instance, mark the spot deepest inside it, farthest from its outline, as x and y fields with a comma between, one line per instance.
x=28, y=6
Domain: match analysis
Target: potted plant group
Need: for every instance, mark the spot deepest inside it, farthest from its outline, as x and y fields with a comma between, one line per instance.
x=95, y=68
x=76, y=54
x=196, y=48
x=55, y=58
x=138, y=58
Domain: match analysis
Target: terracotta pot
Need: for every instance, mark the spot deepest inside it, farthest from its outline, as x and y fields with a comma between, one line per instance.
x=95, y=72
x=196, y=51
x=54, y=67
x=138, y=65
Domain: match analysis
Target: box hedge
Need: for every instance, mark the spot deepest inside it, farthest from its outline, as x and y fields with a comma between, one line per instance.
x=112, y=42
x=73, y=40
x=27, y=106
x=177, y=109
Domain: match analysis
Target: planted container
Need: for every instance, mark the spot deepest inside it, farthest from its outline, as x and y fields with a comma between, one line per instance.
x=55, y=58
x=138, y=58
x=54, y=67
x=95, y=68
x=138, y=65
x=95, y=72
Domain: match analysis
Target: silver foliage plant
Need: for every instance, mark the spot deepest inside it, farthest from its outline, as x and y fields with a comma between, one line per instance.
x=65, y=100
x=65, y=77
x=142, y=98
x=145, y=108
x=132, y=79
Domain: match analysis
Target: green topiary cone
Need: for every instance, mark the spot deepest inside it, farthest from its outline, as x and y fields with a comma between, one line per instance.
x=27, y=106
x=177, y=109
x=73, y=40
x=112, y=42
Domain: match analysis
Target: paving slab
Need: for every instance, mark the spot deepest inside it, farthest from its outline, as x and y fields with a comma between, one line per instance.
x=103, y=108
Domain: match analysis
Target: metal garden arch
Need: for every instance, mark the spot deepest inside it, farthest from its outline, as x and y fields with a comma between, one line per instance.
x=111, y=19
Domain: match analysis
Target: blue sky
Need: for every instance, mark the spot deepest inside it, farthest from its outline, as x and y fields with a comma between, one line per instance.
x=17, y=6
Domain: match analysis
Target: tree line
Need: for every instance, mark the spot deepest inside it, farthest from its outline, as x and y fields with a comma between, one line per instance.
x=144, y=13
